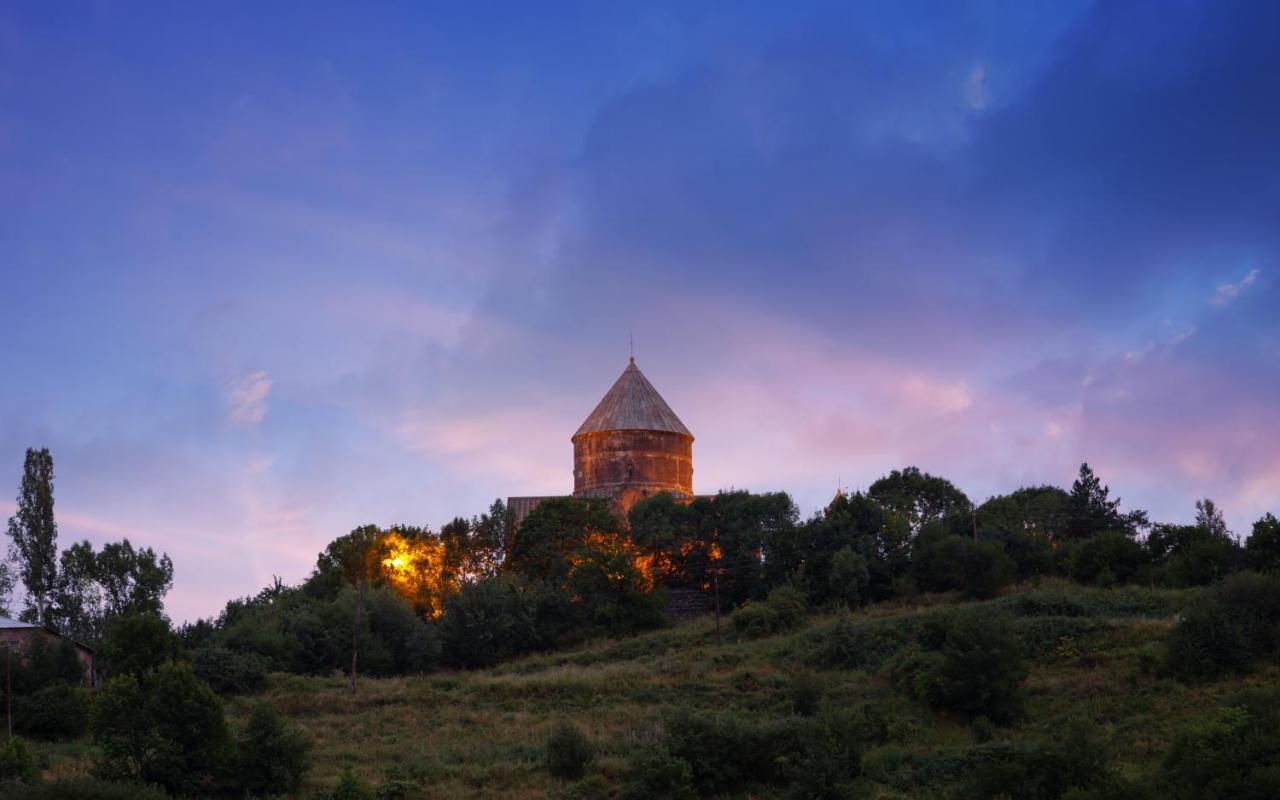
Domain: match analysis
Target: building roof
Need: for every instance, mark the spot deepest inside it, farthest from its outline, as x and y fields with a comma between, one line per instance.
x=6, y=623
x=633, y=405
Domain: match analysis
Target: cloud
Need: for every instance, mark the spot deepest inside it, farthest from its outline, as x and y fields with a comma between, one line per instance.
x=248, y=402
x=976, y=94
x=1227, y=292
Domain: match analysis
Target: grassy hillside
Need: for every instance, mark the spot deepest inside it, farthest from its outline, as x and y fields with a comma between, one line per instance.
x=1094, y=654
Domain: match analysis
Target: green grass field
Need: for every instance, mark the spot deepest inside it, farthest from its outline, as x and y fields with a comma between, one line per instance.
x=1094, y=654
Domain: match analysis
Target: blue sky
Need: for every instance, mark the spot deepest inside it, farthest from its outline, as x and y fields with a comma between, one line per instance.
x=273, y=272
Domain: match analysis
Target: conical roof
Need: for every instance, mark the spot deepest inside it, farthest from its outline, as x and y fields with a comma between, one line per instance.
x=633, y=405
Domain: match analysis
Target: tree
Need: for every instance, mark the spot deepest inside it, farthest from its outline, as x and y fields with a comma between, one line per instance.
x=272, y=756
x=553, y=530
x=946, y=562
x=168, y=730
x=78, y=606
x=1194, y=555
x=1090, y=509
x=918, y=496
x=138, y=643
x=489, y=620
x=849, y=577
x=8, y=579
x=34, y=535
x=1263, y=545
x=981, y=668
x=133, y=580
x=357, y=556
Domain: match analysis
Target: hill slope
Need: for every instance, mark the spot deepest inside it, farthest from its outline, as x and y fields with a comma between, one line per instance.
x=1093, y=655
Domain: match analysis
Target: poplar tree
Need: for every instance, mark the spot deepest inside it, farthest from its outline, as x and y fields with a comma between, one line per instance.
x=34, y=535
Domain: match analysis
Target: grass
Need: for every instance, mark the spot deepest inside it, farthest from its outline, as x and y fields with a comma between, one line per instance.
x=482, y=734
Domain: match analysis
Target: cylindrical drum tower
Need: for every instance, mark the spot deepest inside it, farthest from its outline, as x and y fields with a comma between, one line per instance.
x=633, y=445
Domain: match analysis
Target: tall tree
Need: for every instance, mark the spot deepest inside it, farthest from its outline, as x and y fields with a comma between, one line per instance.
x=8, y=579
x=1090, y=509
x=133, y=579
x=77, y=599
x=918, y=496
x=34, y=535
x=358, y=558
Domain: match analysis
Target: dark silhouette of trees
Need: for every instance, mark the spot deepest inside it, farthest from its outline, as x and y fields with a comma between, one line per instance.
x=33, y=535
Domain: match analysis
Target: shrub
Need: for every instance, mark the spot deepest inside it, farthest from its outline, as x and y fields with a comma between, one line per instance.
x=829, y=760
x=783, y=610
x=975, y=669
x=137, y=643
x=592, y=787
x=169, y=731
x=1231, y=753
x=228, y=672
x=351, y=788
x=865, y=644
x=54, y=712
x=485, y=622
x=978, y=569
x=805, y=692
x=657, y=773
x=395, y=789
x=569, y=752
x=1040, y=771
x=755, y=620
x=84, y=787
x=726, y=753
x=1227, y=628
x=850, y=578
x=271, y=756
x=1106, y=559
x=17, y=763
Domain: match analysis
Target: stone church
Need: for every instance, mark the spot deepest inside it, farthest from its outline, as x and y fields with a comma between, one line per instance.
x=631, y=446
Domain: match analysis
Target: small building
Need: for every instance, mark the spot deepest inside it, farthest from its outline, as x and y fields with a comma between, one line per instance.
x=630, y=447
x=17, y=636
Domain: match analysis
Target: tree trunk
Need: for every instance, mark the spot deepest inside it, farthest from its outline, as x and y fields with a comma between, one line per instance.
x=355, y=632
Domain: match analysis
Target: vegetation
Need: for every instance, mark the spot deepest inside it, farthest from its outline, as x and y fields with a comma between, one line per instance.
x=902, y=642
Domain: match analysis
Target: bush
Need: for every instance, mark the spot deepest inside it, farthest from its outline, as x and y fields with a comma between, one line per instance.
x=850, y=578
x=1107, y=559
x=1074, y=762
x=55, y=712
x=864, y=644
x=955, y=563
x=806, y=693
x=783, y=610
x=818, y=757
x=1229, y=627
x=485, y=622
x=169, y=731
x=137, y=643
x=829, y=761
x=971, y=663
x=569, y=752
x=1230, y=754
x=351, y=788
x=17, y=763
x=271, y=756
x=84, y=787
x=228, y=672
x=657, y=773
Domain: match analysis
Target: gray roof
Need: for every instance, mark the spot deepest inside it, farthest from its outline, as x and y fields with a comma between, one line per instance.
x=5, y=622
x=633, y=405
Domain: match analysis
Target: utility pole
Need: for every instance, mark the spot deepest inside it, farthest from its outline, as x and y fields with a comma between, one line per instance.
x=973, y=516
x=8, y=688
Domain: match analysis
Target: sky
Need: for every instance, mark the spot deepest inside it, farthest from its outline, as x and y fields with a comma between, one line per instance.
x=269, y=272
